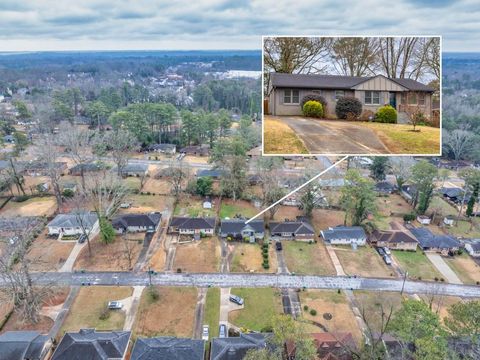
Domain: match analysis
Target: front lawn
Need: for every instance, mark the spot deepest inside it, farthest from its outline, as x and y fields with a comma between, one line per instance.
x=364, y=261
x=261, y=304
x=307, y=259
x=248, y=258
x=279, y=138
x=198, y=256
x=465, y=267
x=212, y=311
x=373, y=305
x=400, y=139
x=417, y=265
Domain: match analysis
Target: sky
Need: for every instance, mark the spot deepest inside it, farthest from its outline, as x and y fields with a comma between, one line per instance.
x=36, y=25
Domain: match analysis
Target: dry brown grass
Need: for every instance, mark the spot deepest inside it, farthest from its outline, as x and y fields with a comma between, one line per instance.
x=38, y=206
x=393, y=203
x=109, y=257
x=160, y=186
x=329, y=301
x=172, y=314
x=372, y=304
x=248, y=258
x=323, y=219
x=465, y=267
x=307, y=259
x=287, y=212
x=198, y=256
x=279, y=138
x=48, y=254
x=363, y=262
x=147, y=203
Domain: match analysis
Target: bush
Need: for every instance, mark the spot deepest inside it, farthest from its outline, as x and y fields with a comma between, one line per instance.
x=313, y=312
x=386, y=114
x=313, y=109
x=153, y=293
x=348, y=107
x=367, y=115
x=68, y=193
x=21, y=198
x=409, y=217
x=314, y=97
x=104, y=313
x=305, y=307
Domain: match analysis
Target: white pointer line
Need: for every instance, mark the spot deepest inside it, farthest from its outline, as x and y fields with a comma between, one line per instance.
x=298, y=188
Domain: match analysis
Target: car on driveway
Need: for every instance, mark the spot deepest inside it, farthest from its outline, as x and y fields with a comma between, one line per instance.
x=236, y=299
x=115, y=305
x=387, y=251
x=82, y=239
x=205, y=332
x=380, y=251
x=278, y=246
x=222, y=332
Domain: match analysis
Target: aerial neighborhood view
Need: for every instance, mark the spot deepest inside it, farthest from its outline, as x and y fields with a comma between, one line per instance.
x=294, y=202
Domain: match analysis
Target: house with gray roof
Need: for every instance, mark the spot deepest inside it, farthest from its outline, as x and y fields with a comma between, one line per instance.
x=162, y=148
x=286, y=91
x=473, y=247
x=74, y=223
x=93, y=345
x=24, y=345
x=345, y=235
x=135, y=169
x=429, y=241
x=167, y=347
x=299, y=229
x=77, y=170
x=235, y=348
x=213, y=173
x=137, y=222
x=238, y=229
x=192, y=226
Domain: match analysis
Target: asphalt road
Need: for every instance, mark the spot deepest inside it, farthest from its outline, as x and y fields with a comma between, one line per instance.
x=252, y=280
x=335, y=137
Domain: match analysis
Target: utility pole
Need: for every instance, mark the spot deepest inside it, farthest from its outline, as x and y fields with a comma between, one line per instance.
x=150, y=275
x=403, y=284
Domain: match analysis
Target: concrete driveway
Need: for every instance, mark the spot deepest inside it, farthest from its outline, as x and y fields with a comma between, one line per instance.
x=335, y=136
x=443, y=268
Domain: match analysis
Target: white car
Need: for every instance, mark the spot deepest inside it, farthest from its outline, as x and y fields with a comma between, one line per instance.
x=387, y=251
x=205, y=333
x=115, y=305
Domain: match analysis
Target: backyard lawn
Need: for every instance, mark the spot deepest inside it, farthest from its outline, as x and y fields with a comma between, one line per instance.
x=304, y=258
x=193, y=207
x=88, y=306
x=212, y=311
x=333, y=313
x=172, y=314
x=37, y=206
x=261, y=304
x=400, y=139
x=148, y=203
x=417, y=265
x=441, y=207
x=364, y=261
x=465, y=267
x=230, y=209
x=279, y=138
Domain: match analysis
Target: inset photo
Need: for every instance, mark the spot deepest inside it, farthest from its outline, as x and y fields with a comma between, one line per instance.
x=360, y=95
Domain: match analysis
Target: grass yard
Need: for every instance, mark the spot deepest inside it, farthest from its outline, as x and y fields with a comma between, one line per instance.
x=393, y=203
x=212, y=311
x=111, y=257
x=157, y=186
x=441, y=207
x=417, y=265
x=230, y=208
x=323, y=219
x=193, y=207
x=465, y=229
x=279, y=138
x=132, y=183
x=261, y=304
x=248, y=258
x=198, y=256
x=333, y=303
x=440, y=304
x=147, y=203
x=304, y=258
x=364, y=261
x=88, y=305
x=372, y=303
x=465, y=267
x=37, y=206
x=172, y=314
x=48, y=254
x=400, y=139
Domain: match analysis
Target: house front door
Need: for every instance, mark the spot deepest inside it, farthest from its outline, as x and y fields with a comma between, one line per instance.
x=393, y=100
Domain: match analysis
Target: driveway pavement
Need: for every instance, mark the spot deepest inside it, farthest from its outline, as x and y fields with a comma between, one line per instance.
x=335, y=137
x=199, y=313
x=443, y=268
x=131, y=307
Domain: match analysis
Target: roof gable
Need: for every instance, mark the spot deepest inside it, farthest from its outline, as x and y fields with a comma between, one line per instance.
x=379, y=83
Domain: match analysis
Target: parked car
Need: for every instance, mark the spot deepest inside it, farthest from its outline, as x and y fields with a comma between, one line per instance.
x=381, y=251
x=236, y=299
x=387, y=251
x=222, y=332
x=82, y=239
x=115, y=305
x=278, y=246
x=205, y=333
x=387, y=259
x=125, y=205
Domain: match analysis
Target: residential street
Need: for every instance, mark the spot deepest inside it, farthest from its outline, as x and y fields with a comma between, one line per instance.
x=335, y=137
x=252, y=280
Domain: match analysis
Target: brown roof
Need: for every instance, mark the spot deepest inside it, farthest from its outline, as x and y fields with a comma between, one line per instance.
x=394, y=236
x=330, y=345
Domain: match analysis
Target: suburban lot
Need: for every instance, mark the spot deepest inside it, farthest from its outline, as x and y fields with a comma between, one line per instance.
x=279, y=138
x=37, y=206
x=147, y=203
x=465, y=267
x=329, y=302
x=373, y=305
x=230, y=208
x=113, y=256
x=171, y=314
x=260, y=306
x=364, y=261
x=48, y=254
x=212, y=311
x=304, y=258
x=323, y=219
x=88, y=306
x=192, y=206
x=248, y=258
x=198, y=256
x=157, y=186
x=417, y=265
x=393, y=203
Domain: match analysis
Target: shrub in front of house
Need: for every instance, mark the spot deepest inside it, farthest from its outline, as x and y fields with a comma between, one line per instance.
x=313, y=109
x=315, y=97
x=348, y=107
x=386, y=114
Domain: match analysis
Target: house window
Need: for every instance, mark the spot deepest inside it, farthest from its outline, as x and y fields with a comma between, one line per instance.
x=421, y=99
x=291, y=96
x=339, y=94
x=317, y=92
x=372, y=97
x=412, y=98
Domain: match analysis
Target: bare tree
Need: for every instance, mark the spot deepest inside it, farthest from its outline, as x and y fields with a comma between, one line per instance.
x=48, y=153
x=401, y=167
x=119, y=143
x=459, y=141
x=176, y=175
x=355, y=56
x=80, y=205
x=128, y=250
x=15, y=176
x=397, y=56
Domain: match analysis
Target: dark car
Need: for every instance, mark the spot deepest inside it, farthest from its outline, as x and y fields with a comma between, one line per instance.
x=278, y=246
x=381, y=251
x=236, y=299
x=222, y=333
x=82, y=239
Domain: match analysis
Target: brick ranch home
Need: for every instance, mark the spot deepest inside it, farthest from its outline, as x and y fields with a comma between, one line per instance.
x=286, y=91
